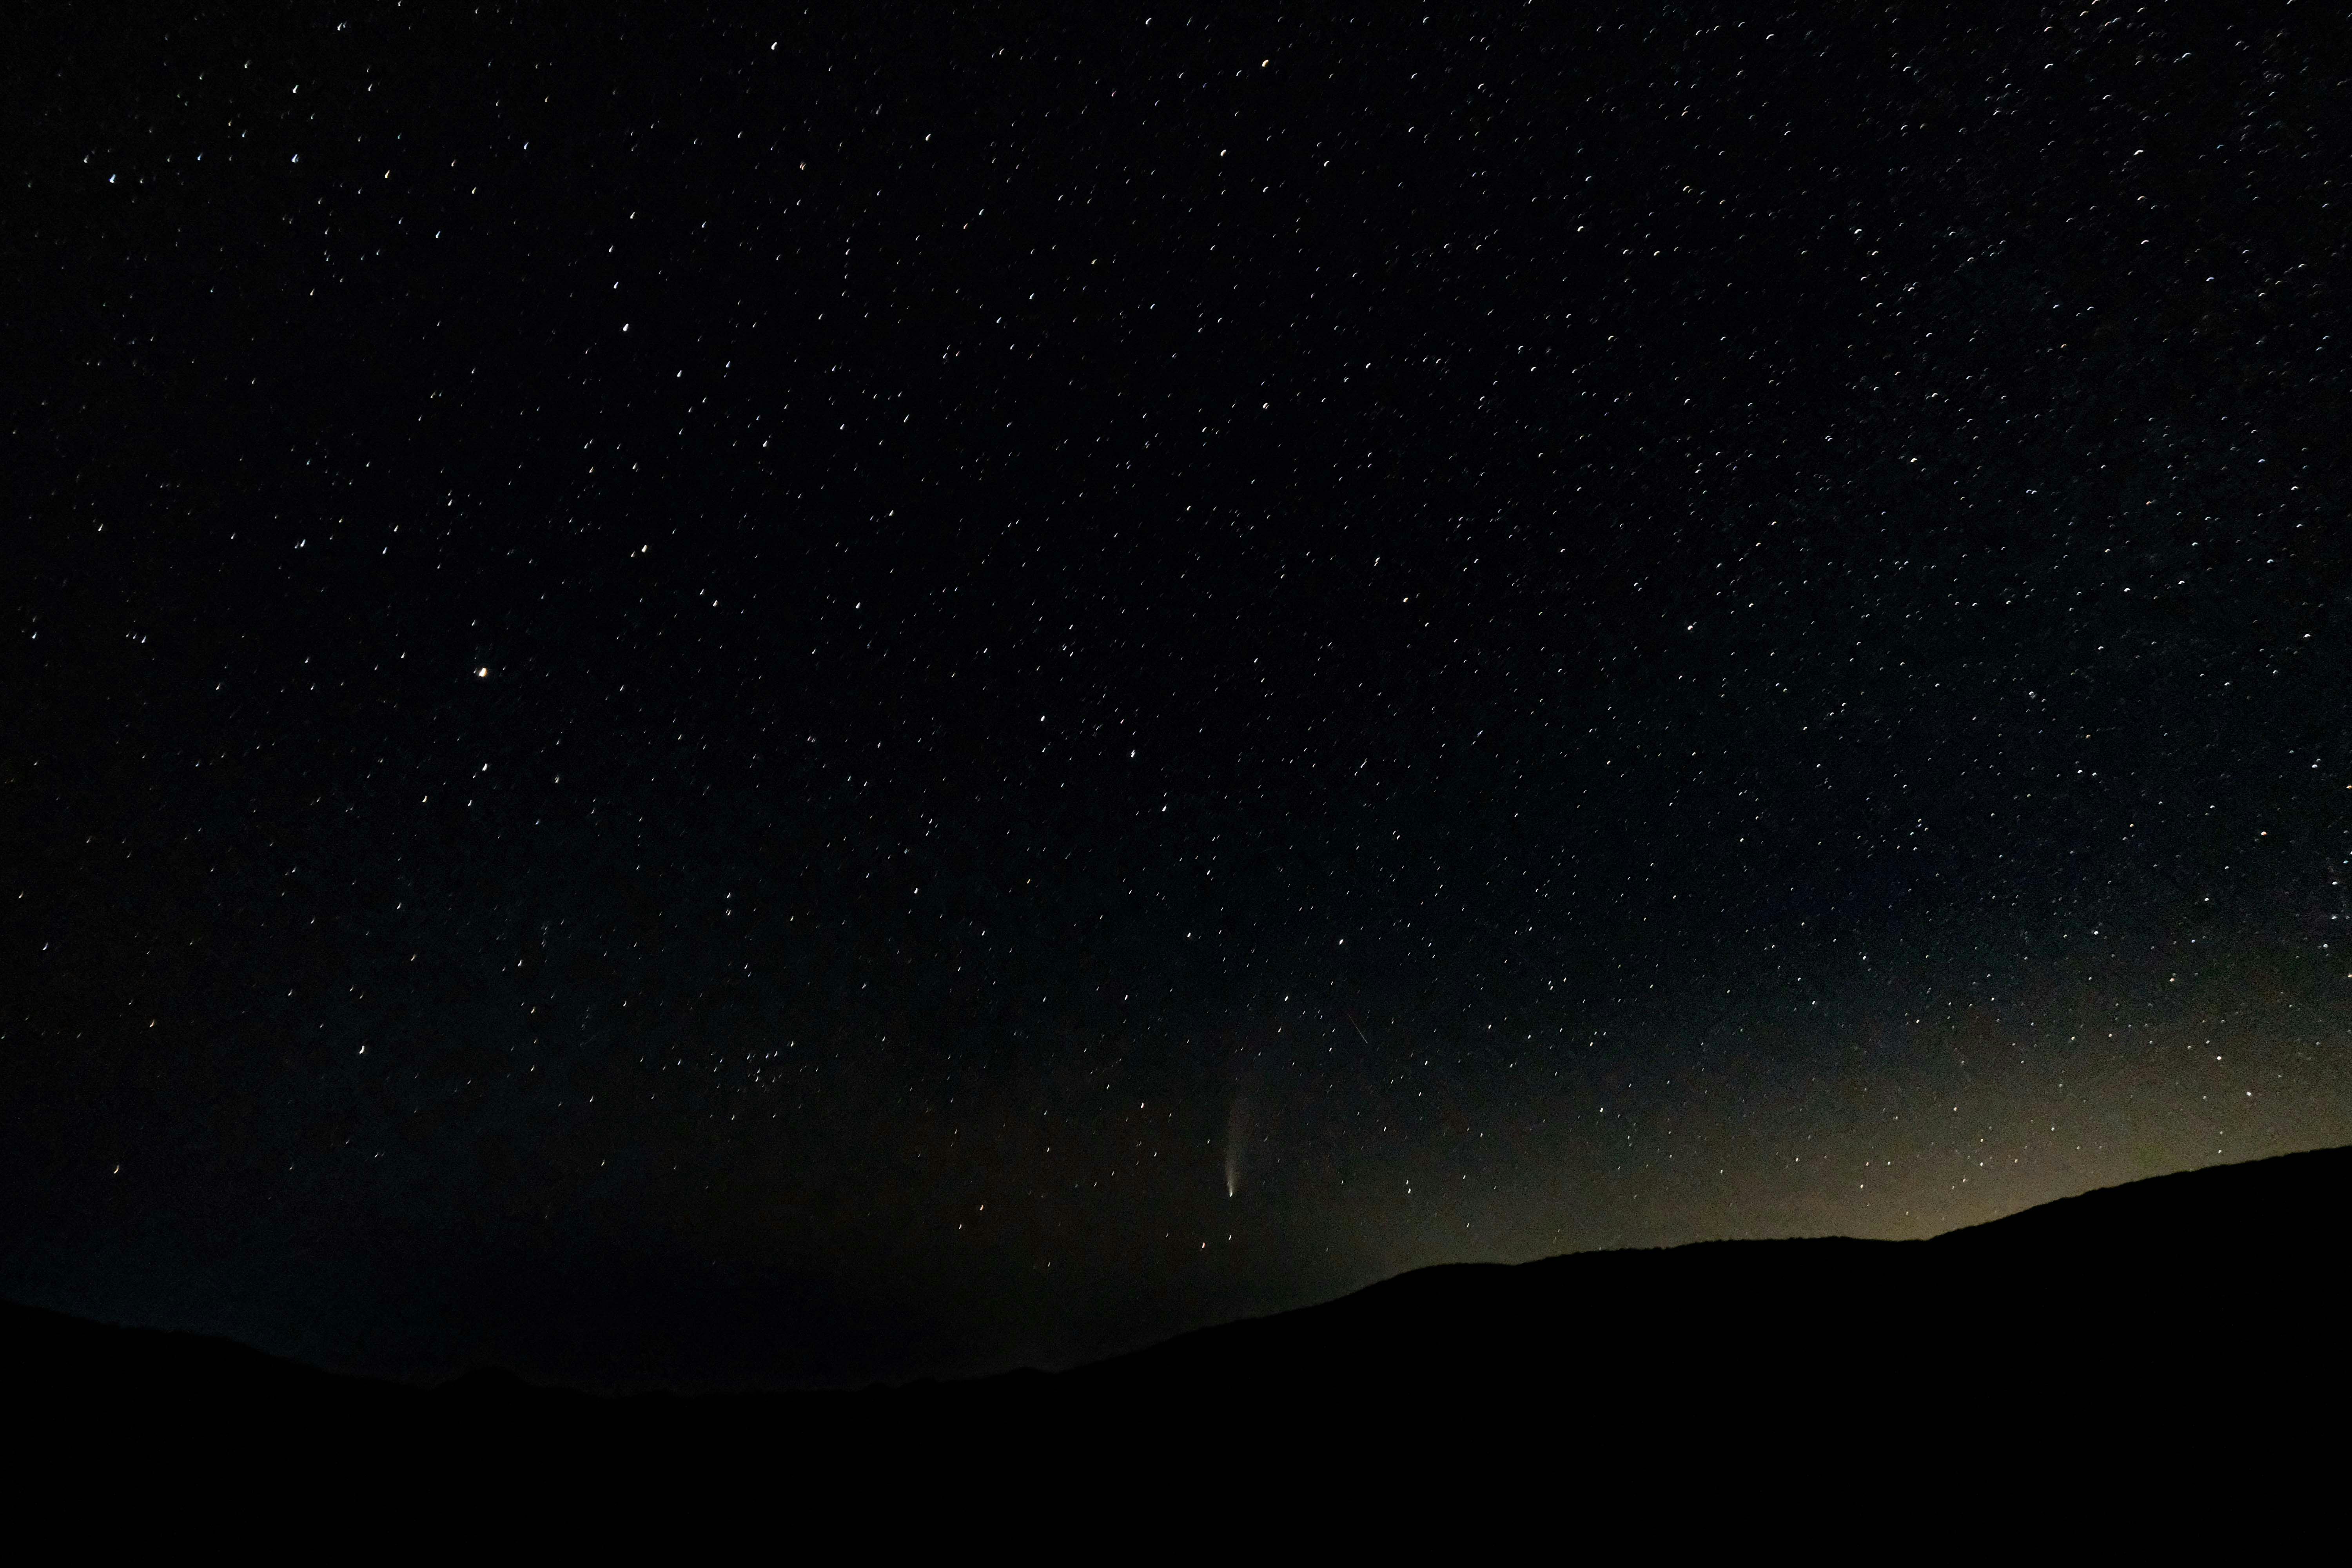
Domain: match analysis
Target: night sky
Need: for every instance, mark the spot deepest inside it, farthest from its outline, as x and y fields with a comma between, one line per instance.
x=902, y=691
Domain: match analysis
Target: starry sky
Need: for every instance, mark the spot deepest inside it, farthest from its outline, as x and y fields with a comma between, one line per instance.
x=917, y=687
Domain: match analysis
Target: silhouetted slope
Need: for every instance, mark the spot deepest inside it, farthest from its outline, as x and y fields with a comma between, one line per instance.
x=2089, y=1292
x=2099, y=1319
x=53, y=1356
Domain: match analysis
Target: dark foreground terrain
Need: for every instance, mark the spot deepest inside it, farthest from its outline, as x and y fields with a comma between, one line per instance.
x=2194, y=1319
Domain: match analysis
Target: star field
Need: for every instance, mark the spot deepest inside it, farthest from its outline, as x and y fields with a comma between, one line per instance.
x=918, y=688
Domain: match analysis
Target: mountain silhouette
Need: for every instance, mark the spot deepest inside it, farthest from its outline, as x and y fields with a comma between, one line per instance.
x=2163, y=1312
